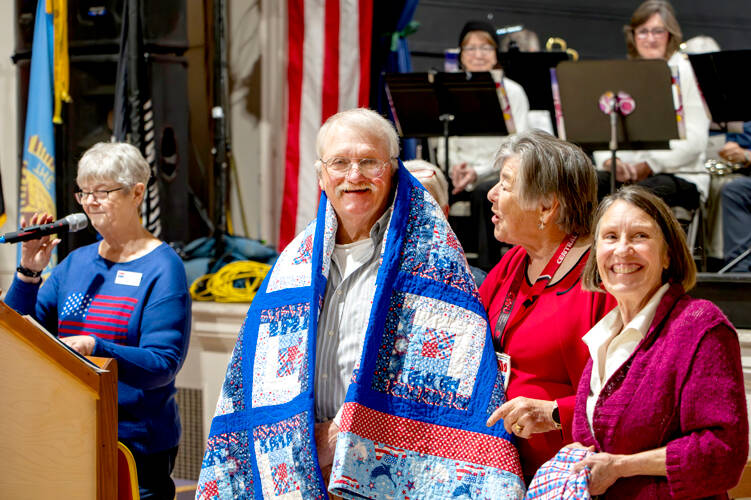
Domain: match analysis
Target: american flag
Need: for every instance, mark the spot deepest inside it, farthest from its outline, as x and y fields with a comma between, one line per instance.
x=328, y=71
x=104, y=316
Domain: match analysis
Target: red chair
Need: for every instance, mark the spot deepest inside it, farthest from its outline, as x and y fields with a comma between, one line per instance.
x=127, y=475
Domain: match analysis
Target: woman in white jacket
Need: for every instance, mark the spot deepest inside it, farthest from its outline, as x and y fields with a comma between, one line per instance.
x=677, y=174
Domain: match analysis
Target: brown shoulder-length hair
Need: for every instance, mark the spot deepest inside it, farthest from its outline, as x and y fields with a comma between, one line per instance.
x=681, y=267
x=642, y=14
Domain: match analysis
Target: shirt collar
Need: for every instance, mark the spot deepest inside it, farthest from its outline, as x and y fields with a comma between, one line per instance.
x=611, y=325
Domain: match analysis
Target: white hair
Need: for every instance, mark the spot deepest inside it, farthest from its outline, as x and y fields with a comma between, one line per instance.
x=118, y=162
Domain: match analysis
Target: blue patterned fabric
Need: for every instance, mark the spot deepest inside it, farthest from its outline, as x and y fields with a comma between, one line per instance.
x=555, y=480
x=413, y=423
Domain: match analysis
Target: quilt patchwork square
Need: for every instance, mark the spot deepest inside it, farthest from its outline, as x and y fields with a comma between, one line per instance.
x=430, y=351
x=281, y=359
x=232, y=397
x=434, y=251
x=285, y=459
x=226, y=471
x=294, y=265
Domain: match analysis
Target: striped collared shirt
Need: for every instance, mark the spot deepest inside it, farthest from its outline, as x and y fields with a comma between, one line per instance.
x=342, y=325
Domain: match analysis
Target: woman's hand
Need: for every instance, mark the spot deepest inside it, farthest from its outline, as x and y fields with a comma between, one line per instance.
x=524, y=416
x=35, y=254
x=462, y=175
x=82, y=344
x=604, y=471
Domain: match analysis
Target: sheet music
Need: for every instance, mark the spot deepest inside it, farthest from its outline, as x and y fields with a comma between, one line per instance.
x=66, y=346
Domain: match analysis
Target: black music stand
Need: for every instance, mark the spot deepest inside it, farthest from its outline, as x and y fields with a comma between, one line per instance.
x=445, y=104
x=531, y=70
x=726, y=94
x=651, y=124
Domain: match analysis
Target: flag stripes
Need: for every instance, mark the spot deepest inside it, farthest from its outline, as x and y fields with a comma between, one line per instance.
x=328, y=71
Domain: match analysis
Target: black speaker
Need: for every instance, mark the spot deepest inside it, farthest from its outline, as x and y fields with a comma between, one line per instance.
x=94, y=25
x=87, y=120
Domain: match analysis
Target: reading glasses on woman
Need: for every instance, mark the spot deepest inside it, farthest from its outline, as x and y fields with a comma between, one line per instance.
x=368, y=167
x=99, y=195
x=655, y=32
x=485, y=49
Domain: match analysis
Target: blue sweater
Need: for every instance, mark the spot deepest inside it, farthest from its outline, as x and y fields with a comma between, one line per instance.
x=139, y=314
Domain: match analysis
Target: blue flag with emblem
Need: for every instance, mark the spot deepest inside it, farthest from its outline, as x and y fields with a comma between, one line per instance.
x=37, y=187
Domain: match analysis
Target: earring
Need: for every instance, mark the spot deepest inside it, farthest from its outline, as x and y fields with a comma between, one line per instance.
x=541, y=225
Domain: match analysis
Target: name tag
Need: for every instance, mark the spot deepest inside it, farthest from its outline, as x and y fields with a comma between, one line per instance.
x=504, y=367
x=128, y=278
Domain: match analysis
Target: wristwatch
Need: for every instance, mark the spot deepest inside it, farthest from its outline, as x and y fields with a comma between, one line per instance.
x=556, y=416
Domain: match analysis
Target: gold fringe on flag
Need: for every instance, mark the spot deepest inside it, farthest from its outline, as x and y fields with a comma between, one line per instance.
x=59, y=11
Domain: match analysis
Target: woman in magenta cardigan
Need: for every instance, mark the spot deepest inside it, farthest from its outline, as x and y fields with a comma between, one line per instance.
x=662, y=400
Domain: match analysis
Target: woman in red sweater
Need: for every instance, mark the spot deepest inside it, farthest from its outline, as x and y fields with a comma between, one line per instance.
x=544, y=204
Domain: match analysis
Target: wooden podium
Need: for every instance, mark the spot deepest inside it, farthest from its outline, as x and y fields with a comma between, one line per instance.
x=58, y=422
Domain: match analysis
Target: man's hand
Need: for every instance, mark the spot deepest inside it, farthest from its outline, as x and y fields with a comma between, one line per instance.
x=733, y=153
x=462, y=175
x=326, y=433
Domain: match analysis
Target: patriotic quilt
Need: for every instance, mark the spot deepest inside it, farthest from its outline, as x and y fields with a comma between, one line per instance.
x=413, y=423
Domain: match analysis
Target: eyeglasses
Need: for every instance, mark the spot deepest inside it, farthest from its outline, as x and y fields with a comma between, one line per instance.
x=485, y=49
x=98, y=195
x=368, y=167
x=655, y=32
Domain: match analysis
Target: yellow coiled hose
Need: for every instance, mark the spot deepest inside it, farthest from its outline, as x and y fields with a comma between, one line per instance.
x=237, y=281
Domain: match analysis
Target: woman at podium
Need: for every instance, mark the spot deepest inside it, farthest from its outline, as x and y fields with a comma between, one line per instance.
x=124, y=297
x=471, y=157
x=676, y=175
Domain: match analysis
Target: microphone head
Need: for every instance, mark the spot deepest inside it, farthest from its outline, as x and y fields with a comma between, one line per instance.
x=76, y=222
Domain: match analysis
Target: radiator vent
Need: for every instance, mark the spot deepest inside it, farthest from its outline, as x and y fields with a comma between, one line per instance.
x=192, y=442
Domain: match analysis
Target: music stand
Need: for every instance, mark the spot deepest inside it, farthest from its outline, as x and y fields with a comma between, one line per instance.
x=653, y=120
x=726, y=94
x=531, y=70
x=445, y=104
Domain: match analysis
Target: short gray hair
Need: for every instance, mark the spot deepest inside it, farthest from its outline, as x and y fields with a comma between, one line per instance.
x=553, y=168
x=366, y=121
x=119, y=162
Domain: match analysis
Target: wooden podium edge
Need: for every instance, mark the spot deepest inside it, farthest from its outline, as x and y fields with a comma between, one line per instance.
x=43, y=344
x=106, y=429
x=103, y=384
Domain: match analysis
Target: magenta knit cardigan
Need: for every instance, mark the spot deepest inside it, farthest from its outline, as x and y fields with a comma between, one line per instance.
x=682, y=387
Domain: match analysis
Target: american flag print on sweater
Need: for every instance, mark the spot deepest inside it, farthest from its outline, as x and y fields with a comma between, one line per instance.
x=104, y=316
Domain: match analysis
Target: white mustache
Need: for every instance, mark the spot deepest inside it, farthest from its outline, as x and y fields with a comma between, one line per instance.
x=348, y=186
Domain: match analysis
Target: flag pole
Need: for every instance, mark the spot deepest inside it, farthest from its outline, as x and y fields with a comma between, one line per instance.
x=219, y=113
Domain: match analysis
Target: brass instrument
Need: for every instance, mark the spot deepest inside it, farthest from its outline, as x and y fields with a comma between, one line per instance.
x=555, y=43
x=722, y=167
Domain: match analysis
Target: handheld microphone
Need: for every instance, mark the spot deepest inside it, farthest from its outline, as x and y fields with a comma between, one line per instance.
x=71, y=223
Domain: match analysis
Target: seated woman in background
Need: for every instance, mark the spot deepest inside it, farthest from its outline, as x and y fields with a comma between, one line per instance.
x=125, y=297
x=544, y=203
x=471, y=158
x=662, y=401
x=676, y=175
